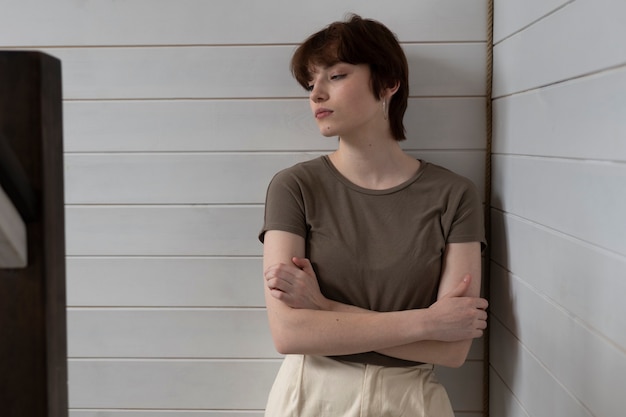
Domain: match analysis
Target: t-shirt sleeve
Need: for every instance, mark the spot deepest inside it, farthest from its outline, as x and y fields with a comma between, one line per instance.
x=284, y=206
x=468, y=220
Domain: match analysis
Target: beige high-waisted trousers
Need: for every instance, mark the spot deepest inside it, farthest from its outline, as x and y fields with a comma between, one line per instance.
x=316, y=386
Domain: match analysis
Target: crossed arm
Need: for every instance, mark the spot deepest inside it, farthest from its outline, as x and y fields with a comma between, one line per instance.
x=303, y=321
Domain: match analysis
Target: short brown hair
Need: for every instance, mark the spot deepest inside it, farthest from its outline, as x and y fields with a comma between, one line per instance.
x=360, y=41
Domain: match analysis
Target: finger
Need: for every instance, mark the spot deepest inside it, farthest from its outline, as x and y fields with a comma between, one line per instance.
x=271, y=271
x=281, y=272
x=279, y=283
x=460, y=289
x=304, y=264
x=280, y=295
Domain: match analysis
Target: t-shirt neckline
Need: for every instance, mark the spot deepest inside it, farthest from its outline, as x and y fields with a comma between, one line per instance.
x=370, y=191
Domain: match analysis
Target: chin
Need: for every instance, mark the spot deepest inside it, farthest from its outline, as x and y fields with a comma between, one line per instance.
x=328, y=132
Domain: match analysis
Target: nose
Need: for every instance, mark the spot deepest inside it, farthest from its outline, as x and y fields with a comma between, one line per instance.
x=318, y=94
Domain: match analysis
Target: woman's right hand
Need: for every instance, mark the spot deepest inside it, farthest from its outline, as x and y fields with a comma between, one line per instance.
x=457, y=317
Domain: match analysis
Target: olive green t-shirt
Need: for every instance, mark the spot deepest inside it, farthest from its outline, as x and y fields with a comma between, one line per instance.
x=381, y=250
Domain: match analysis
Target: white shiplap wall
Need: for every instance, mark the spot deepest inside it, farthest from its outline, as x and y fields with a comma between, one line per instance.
x=558, y=338
x=177, y=114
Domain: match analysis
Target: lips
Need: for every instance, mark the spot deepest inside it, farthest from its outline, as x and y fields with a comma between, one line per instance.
x=322, y=113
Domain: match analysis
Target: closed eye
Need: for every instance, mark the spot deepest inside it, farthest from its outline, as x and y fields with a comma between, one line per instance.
x=335, y=77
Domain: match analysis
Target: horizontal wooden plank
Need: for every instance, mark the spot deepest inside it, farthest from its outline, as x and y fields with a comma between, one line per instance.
x=585, y=280
x=560, y=120
x=163, y=22
x=529, y=382
x=168, y=413
x=464, y=385
x=456, y=69
x=509, y=16
x=13, y=241
x=180, y=333
x=173, y=178
x=164, y=230
x=585, y=199
x=169, y=333
x=171, y=384
x=251, y=125
x=560, y=47
x=188, y=413
x=208, y=384
x=556, y=357
x=502, y=402
x=203, y=178
x=165, y=282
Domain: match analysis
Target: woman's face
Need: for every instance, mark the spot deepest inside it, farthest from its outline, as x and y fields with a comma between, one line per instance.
x=342, y=100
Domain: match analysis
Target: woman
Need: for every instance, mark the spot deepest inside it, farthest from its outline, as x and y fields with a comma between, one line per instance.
x=371, y=258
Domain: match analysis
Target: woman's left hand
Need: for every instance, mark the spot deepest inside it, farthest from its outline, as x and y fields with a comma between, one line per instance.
x=295, y=285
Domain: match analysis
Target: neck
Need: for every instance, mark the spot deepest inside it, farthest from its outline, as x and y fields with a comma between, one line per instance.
x=374, y=164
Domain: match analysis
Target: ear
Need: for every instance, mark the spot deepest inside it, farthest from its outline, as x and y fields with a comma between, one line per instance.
x=390, y=91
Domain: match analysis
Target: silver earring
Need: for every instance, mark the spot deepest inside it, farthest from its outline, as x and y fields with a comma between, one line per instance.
x=385, y=109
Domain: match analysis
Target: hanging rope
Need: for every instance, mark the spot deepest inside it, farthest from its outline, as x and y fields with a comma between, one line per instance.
x=487, y=272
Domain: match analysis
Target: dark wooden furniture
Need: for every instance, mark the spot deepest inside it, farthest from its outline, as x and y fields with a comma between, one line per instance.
x=33, y=347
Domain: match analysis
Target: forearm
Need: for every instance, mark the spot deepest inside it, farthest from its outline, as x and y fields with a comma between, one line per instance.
x=328, y=333
x=303, y=321
x=451, y=354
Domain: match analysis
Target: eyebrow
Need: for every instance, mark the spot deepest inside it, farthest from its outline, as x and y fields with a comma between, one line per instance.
x=326, y=67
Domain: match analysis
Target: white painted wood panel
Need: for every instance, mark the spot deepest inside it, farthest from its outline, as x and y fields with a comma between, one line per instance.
x=585, y=280
x=502, y=402
x=163, y=22
x=583, y=118
x=584, y=364
x=170, y=413
x=171, y=384
x=188, y=413
x=512, y=15
x=173, y=178
x=208, y=384
x=447, y=69
x=13, y=243
x=577, y=40
x=454, y=69
x=169, y=333
x=182, y=333
x=165, y=282
x=204, y=178
x=464, y=385
x=529, y=381
x=247, y=125
x=585, y=199
x=163, y=230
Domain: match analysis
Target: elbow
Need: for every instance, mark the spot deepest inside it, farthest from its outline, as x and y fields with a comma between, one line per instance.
x=289, y=347
x=457, y=356
x=285, y=343
x=283, y=347
x=454, y=362
x=288, y=331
